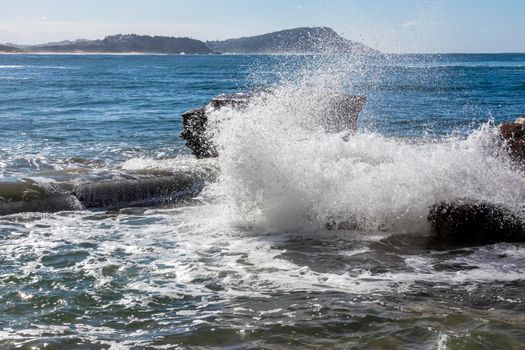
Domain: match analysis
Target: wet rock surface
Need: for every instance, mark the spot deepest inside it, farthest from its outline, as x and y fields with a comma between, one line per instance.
x=195, y=123
x=468, y=221
x=342, y=110
x=514, y=136
x=135, y=191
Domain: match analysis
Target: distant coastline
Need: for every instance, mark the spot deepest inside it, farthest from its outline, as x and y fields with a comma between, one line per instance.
x=94, y=53
x=291, y=41
x=131, y=53
x=43, y=53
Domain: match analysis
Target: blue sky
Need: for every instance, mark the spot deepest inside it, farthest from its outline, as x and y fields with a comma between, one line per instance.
x=389, y=25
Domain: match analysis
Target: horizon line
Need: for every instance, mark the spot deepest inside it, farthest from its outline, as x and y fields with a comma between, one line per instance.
x=138, y=53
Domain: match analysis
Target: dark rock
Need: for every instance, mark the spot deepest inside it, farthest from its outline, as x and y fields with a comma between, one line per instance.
x=514, y=136
x=232, y=100
x=196, y=120
x=129, y=190
x=43, y=205
x=343, y=111
x=138, y=192
x=468, y=221
x=194, y=133
x=335, y=224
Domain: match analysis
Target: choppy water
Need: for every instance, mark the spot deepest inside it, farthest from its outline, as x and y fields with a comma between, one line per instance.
x=249, y=263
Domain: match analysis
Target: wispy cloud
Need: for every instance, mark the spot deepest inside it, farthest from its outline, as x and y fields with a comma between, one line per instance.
x=40, y=31
x=412, y=24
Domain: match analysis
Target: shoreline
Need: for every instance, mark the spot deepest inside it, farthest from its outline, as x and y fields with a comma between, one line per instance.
x=101, y=53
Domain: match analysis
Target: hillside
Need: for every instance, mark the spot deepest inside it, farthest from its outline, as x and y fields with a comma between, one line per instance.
x=127, y=43
x=297, y=40
x=10, y=49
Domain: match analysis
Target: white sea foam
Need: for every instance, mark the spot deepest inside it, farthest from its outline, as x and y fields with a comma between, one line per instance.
x=14, y=66
x=183, y=249
x=169, y=164
x=281, y=171
x=12, y=78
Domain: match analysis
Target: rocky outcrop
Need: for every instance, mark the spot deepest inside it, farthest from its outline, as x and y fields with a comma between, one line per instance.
x=468, y=221
x=195, y=122
x=514, y=136
x=341, y=114
x=134, y=191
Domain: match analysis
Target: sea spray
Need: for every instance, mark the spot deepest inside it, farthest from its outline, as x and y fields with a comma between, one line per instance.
x=282, y=171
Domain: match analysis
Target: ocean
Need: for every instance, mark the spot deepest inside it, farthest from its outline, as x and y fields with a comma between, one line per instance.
x=240, y=251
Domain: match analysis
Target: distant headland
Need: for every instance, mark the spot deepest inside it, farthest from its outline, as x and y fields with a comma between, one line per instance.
x=297, y=40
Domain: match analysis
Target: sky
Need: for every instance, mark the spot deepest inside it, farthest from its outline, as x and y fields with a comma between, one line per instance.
x=392, y=26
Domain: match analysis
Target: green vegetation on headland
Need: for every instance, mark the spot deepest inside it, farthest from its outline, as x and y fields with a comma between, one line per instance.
x=297, y=40
x=10, y=49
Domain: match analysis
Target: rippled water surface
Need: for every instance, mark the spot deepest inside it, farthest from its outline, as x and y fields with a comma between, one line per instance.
x=250, y=262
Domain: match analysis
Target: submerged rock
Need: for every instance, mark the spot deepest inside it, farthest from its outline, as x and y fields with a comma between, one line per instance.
x=514, y=136
x=136, y=190
x=340, y=115
x=48, y=204
x=468, y=221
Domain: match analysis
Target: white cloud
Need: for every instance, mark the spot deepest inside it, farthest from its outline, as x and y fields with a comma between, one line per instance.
x=412, y=24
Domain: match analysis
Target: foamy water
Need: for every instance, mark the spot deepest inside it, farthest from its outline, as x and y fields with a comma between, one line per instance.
x=250, y=261
x=281, y=170
x=188, y=272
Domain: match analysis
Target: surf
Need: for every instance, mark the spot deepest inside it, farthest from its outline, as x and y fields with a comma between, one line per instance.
x=280, y=170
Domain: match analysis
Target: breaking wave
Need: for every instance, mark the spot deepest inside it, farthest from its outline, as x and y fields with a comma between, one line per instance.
x=281, y=169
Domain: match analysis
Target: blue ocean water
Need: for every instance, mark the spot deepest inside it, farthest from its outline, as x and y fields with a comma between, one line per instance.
x=106, y=107
x=249, y=263
x=111, y=108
